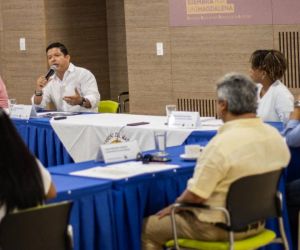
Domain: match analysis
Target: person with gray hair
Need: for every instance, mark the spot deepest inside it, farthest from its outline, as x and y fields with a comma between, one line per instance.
x=239, y=92
x=243, y=146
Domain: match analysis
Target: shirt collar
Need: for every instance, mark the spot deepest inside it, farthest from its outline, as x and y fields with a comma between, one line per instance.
x=70, y=69
x=240, y=122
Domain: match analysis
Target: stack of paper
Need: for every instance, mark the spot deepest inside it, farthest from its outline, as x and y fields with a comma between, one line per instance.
x=123, y=170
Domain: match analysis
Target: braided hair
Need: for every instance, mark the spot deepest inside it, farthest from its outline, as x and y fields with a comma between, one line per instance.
x=271, y=61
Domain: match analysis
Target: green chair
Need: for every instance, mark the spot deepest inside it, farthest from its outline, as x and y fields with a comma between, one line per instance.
x=43, y=227
x=108, y=106
x=250, y=199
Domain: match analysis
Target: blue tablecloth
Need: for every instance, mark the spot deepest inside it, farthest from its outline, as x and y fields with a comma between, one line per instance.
x=140, y=196
x=42, y=141
x=91, y=215
x=137, y=197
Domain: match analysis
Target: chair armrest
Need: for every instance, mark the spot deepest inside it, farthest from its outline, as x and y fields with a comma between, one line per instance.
x=196, y=205
x=190, y=204
x=70, y=238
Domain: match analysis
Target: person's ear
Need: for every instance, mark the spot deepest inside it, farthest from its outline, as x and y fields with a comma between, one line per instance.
x=223, y=106
x=222, y=109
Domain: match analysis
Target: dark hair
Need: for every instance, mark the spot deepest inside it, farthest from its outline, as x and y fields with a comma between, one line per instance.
x=239, y=92
x=271, y=61
x=21, y=184
x=58, y=45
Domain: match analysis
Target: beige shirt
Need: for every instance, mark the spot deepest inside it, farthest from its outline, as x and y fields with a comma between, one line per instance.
x=242, y=147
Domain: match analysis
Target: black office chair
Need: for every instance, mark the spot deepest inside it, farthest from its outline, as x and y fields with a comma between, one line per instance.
x=123, y=100
x=250, y=199
x=43, y=227
x=293, y=204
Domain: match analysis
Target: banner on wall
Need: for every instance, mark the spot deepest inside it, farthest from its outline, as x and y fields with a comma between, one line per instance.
x=233, y=12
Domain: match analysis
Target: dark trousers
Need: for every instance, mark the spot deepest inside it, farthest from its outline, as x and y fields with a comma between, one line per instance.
x=293, y=203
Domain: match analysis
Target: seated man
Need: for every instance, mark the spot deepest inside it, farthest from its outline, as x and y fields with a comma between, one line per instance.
x=292, y=136
x=71, y=88
x=292, y=129
x=243, y=146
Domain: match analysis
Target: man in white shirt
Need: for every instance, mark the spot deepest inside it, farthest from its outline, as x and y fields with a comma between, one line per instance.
x=69, y=88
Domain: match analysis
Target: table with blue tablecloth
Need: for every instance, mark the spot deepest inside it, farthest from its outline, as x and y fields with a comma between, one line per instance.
x=137, y=197
x=92, y=215
x=43, y=142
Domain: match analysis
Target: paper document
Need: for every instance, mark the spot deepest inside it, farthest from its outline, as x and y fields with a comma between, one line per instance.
x=123, y=170
x=213, y=123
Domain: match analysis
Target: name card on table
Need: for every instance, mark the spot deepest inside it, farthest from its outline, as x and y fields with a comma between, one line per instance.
x=182, y=119
x=22, y=111
x=117, y=152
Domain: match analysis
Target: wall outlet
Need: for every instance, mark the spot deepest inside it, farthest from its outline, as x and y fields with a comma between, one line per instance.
x=159, y=49
x=22, y=44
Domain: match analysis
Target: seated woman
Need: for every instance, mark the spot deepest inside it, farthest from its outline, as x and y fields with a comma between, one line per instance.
x=24, y=182
x=275, y=101
x=3, y=95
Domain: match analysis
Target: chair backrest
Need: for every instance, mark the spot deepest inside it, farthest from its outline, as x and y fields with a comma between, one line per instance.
x=108, y=106
x=43, y=227
x=253, y=198
x=123, y=100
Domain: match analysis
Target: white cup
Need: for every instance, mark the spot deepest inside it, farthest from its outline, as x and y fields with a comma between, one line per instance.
x=160, y=139
x=193, y=150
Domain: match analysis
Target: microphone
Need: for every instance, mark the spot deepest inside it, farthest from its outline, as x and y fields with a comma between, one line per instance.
x=50, y=72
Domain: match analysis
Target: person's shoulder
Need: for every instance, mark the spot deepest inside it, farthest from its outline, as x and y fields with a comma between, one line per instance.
x=279, y=85
x=282, y=90
x=82, y=69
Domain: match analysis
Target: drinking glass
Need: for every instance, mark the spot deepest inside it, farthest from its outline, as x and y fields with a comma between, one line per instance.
x=11, y=103
x=169, y=109
x=160, y=139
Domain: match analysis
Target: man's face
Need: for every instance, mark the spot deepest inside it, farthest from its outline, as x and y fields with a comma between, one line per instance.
x=57, y=58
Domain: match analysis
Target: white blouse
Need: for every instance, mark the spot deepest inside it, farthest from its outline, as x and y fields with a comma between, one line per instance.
x=276, y=104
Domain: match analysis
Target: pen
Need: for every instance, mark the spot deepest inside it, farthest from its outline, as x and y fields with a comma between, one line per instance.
x=60, y=117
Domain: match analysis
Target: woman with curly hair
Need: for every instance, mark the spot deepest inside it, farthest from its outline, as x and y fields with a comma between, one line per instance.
x=275, y=101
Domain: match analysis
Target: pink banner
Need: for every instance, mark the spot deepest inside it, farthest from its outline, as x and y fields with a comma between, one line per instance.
x=233, y=12
x=286, y=11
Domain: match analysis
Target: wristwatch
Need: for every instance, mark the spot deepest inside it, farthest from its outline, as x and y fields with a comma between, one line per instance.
x=297, y=104
x=38, y=93
x=83, y=101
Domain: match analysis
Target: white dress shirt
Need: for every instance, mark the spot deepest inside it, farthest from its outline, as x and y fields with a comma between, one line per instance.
x=277, y=103
x=74, y=77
